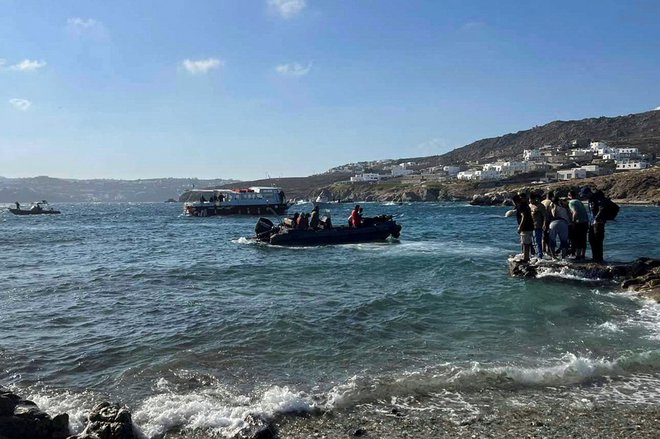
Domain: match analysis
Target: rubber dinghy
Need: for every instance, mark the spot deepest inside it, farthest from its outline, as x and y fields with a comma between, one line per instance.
x=374, y=229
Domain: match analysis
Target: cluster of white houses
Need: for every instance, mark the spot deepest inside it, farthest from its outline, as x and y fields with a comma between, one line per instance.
x=555, y=163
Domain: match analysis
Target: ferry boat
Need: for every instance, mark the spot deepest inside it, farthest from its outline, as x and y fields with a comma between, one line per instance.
x=254, y=200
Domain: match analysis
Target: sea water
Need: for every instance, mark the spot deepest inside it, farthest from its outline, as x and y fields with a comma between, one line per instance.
x=193, y=324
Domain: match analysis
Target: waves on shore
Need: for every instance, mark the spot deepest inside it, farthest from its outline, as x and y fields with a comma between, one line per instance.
x=456, y=390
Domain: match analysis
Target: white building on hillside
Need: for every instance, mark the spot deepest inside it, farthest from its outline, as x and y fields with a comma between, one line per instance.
x=581, y=153
x=628, y=153
x=452, y=171
x=591, y=169
x=513, y=168
x=466, y=175
x=365, y=177
x=570, y=174
x=630, y=165
x=401, y=170
x=532, y=154
x=487, y=175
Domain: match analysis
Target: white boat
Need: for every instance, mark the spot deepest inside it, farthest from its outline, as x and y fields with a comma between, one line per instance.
x=254, y=200
x=323, y=200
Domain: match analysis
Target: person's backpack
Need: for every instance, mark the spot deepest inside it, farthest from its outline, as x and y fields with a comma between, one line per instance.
x=609, y=209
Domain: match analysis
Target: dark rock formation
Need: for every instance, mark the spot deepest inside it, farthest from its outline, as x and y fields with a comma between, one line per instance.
x=491, y=199
x=257, y=427
x=641, y=275
x=108, y=421
x=22, y=419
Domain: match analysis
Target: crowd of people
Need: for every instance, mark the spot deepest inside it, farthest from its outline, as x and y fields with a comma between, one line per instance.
x=312, y=220
x=309, y=221
x=560, y=227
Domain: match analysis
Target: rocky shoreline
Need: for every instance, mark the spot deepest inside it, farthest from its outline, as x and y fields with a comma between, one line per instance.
x=558, y=420
x=634, y=187
x=22, y=419
x=641, y=276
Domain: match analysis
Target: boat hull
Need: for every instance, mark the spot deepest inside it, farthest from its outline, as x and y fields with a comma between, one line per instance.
x=338, y=235
x=218, y=210
x=29, y=212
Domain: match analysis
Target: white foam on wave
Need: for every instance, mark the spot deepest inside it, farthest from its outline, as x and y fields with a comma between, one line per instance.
x=571, y=369
x=76, y=405
x=214, y=409
x=564, y=273
x=448, y=248
x=648, y=316
x=244, y=240
x=610, y=327
x=568, y=370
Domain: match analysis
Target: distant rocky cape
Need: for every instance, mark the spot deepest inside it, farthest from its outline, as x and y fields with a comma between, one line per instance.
x=66, y=190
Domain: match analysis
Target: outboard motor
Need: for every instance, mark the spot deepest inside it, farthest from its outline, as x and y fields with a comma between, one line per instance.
x=264, y=225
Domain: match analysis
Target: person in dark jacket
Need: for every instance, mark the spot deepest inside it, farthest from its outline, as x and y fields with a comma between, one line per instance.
x=314, y=219
x=525, y=224
x=303, y=221
x=597, y=226
x=539, y=217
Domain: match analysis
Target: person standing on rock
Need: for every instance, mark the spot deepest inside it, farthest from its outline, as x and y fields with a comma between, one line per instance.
x=539, y=217
x=597, y=226
x=580, y=221
x=525, y=224
x=546, y=228
x=558, y=229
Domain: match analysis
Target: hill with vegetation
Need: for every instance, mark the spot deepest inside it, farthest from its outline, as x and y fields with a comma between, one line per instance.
x=64, y=190
x=641, y=130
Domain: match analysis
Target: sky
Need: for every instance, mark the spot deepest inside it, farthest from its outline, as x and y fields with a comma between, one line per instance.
x=248, y=89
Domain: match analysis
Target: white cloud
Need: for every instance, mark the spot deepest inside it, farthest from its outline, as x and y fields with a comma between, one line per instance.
x=87, y=28
x=657, y=108
x=202, y=66
x=81, y=25
x=20, y=104
x=2, y=62
x=287, y=8
x=293, y=69
x=28, y=65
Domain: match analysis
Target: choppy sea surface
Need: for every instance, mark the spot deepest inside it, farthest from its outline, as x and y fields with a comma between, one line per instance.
x=193, y=325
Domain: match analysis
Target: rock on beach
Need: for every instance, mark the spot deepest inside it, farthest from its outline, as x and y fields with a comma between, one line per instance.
x=21, y=419
x=641, y=275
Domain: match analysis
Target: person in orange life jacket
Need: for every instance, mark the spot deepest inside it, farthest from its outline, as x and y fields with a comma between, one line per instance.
x=356, y=217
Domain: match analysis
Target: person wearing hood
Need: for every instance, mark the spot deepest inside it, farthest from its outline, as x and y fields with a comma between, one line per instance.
x=597, y=226
x=314, y=219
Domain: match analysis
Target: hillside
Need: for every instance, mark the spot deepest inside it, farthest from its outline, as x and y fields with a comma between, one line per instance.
x=63, y=190
x=641, y=130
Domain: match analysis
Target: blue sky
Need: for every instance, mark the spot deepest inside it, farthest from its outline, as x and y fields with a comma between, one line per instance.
x=250, y=88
